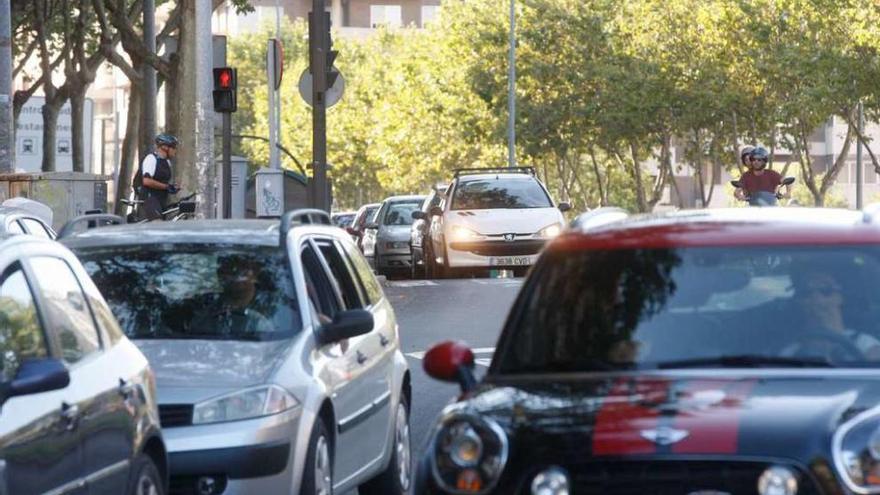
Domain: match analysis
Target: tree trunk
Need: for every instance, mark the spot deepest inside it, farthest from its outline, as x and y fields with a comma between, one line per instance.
x=50, y=127
x=77, y=109
x=129, y=146
x=637, y=177
x=603, y=195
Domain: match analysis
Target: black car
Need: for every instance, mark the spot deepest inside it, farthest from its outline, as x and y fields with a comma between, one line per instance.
x=707, y=352
x=423, y=265
x=78, y=409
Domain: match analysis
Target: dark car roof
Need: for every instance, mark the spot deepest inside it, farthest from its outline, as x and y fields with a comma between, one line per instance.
x=253, y=232
x=726, y=227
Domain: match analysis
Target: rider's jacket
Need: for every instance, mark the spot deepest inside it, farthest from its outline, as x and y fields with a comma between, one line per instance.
x=159, y=169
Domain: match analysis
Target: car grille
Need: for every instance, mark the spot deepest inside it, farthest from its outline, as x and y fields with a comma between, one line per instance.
x=500, y=248
x=171, y=415
x=673, y=478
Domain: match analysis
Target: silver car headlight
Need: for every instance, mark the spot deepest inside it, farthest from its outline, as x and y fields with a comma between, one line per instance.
x=856, y=450
x=468, y=453
x=244, y=404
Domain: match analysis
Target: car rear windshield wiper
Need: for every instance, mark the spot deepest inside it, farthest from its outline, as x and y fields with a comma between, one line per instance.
x=747, y=361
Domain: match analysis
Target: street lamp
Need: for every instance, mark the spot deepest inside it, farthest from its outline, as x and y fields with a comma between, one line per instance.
x=511, y=90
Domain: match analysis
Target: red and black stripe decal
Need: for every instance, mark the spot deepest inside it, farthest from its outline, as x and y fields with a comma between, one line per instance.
x=708, y=410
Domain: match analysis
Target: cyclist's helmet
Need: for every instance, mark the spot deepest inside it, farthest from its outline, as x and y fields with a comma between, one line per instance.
x=760, y=157
x=744, y=154
x=166, y=139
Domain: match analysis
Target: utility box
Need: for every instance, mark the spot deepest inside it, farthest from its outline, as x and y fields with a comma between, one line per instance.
x=286, y=187
x=239, y=186
x=68, y=194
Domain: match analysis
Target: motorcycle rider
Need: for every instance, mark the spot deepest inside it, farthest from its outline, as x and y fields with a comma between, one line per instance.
x=154, y=177
x=759, y=183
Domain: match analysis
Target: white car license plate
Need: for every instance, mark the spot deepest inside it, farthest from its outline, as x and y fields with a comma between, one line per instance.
x=510, y=261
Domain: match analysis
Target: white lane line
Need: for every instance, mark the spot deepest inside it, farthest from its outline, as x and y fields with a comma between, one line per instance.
x=411, y=283
x=482, y=360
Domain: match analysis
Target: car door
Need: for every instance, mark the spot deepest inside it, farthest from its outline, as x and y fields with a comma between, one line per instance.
x=345, y=377
x=374, y=352
x=40, y=445
x=102, y=414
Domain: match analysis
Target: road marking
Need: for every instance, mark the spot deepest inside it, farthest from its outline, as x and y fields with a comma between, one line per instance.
x=482, y=361
x=508, y=282
x=411, y=283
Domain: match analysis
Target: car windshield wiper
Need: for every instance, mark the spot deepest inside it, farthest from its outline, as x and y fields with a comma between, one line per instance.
x=747, y=361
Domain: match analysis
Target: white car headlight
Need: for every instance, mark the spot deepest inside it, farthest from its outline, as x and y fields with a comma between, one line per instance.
x=460, y=233
x=856, y=449
x=468, y=453
x=550, y=231
x=244, y=404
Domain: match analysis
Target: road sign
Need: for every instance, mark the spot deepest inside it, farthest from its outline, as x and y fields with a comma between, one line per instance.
x=275, y=56
x=29, y=137
x=334, y=94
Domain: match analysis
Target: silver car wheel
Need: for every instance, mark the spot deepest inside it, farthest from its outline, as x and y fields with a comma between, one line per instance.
x=146, y=486
x=323, y=470
x=404, y=463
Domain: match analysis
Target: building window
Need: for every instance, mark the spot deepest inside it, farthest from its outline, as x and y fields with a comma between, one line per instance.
x=430, y=14
x=386, y=15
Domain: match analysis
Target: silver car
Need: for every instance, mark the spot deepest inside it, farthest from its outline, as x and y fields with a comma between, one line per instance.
x=387, y=238
x=277, y=355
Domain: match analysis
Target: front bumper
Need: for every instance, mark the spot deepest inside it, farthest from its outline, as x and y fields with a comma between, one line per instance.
x=494, y=253
x=236, y=457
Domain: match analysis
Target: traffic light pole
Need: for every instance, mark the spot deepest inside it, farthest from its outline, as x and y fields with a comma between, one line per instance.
x=318, y=42
x=227, y=165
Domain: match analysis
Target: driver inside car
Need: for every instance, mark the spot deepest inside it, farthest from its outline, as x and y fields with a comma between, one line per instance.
x=234, y=313
x=818, y=303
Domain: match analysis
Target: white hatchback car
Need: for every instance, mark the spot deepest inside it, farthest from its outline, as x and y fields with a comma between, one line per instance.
x=493, y=218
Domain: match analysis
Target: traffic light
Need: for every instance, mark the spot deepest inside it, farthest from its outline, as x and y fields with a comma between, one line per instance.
x=225, y=89
x=330, y=72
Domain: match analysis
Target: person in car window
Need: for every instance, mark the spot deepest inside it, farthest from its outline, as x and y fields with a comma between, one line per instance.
x=234, y=314
x=819, y=299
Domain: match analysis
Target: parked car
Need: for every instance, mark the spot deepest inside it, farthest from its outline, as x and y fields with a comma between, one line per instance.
x=423, y=262
x=78, y=408
x=386, y=239
x=493, y=218
x=696, y=352
x=362, y=218
x=23, y=220
x=343, y=219
x=276, y=353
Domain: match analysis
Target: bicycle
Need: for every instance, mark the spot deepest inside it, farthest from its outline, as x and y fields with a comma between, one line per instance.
x=183, y=209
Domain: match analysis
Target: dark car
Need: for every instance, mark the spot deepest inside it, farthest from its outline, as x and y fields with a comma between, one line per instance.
x=708, y=352
x=78, y=402
x=423, y=264
x=362, y=218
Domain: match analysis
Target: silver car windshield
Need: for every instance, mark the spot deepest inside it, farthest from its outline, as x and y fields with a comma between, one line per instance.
x=400, y=213
x=196, y=291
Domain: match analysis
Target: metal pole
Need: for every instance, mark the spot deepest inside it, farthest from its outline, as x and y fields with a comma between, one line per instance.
x=7, y=133
x=227, y=165
x=318, y=41
x=860, y=172
x=150, y=90
x=273, y=131
x=511, y=90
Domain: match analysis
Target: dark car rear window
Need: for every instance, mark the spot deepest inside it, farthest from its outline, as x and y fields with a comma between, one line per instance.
x=490, y=194
x=669, y=308
x=183, y=291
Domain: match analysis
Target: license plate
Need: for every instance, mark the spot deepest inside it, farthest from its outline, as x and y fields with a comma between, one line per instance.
x=510, y=260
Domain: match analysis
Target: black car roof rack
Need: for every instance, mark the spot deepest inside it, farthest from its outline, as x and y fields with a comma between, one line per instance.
x=302, y=216
x=497, y=170
x=93, y=220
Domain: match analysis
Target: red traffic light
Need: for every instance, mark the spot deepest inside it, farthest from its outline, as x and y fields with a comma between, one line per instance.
x=224, y=79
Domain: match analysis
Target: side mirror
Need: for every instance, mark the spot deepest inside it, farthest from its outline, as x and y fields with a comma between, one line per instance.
x=35, y=376
x=436, y=211
x=418, y=215
x=564, y=207
x=788, y=181
x=737, y=184
x=345, y=325
x=451, y=362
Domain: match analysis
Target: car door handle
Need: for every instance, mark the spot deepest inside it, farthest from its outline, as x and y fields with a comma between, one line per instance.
x=126, y=389
x=70, y=415
x=383, y=340
x=361, y=359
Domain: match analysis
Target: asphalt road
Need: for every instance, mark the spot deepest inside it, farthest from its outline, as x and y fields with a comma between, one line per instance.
x=430, y=311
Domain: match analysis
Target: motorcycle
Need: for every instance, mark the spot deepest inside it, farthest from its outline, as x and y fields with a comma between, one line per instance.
x=765, y=198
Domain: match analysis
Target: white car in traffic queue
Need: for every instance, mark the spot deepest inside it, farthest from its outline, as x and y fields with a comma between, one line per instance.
x=276, y=353
x=493, y=218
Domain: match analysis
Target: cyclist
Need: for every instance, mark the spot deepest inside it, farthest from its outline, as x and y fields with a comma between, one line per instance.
x=153, y=179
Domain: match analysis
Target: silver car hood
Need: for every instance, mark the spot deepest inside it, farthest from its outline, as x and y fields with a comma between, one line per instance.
x=196, y=369
x=395, y=232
